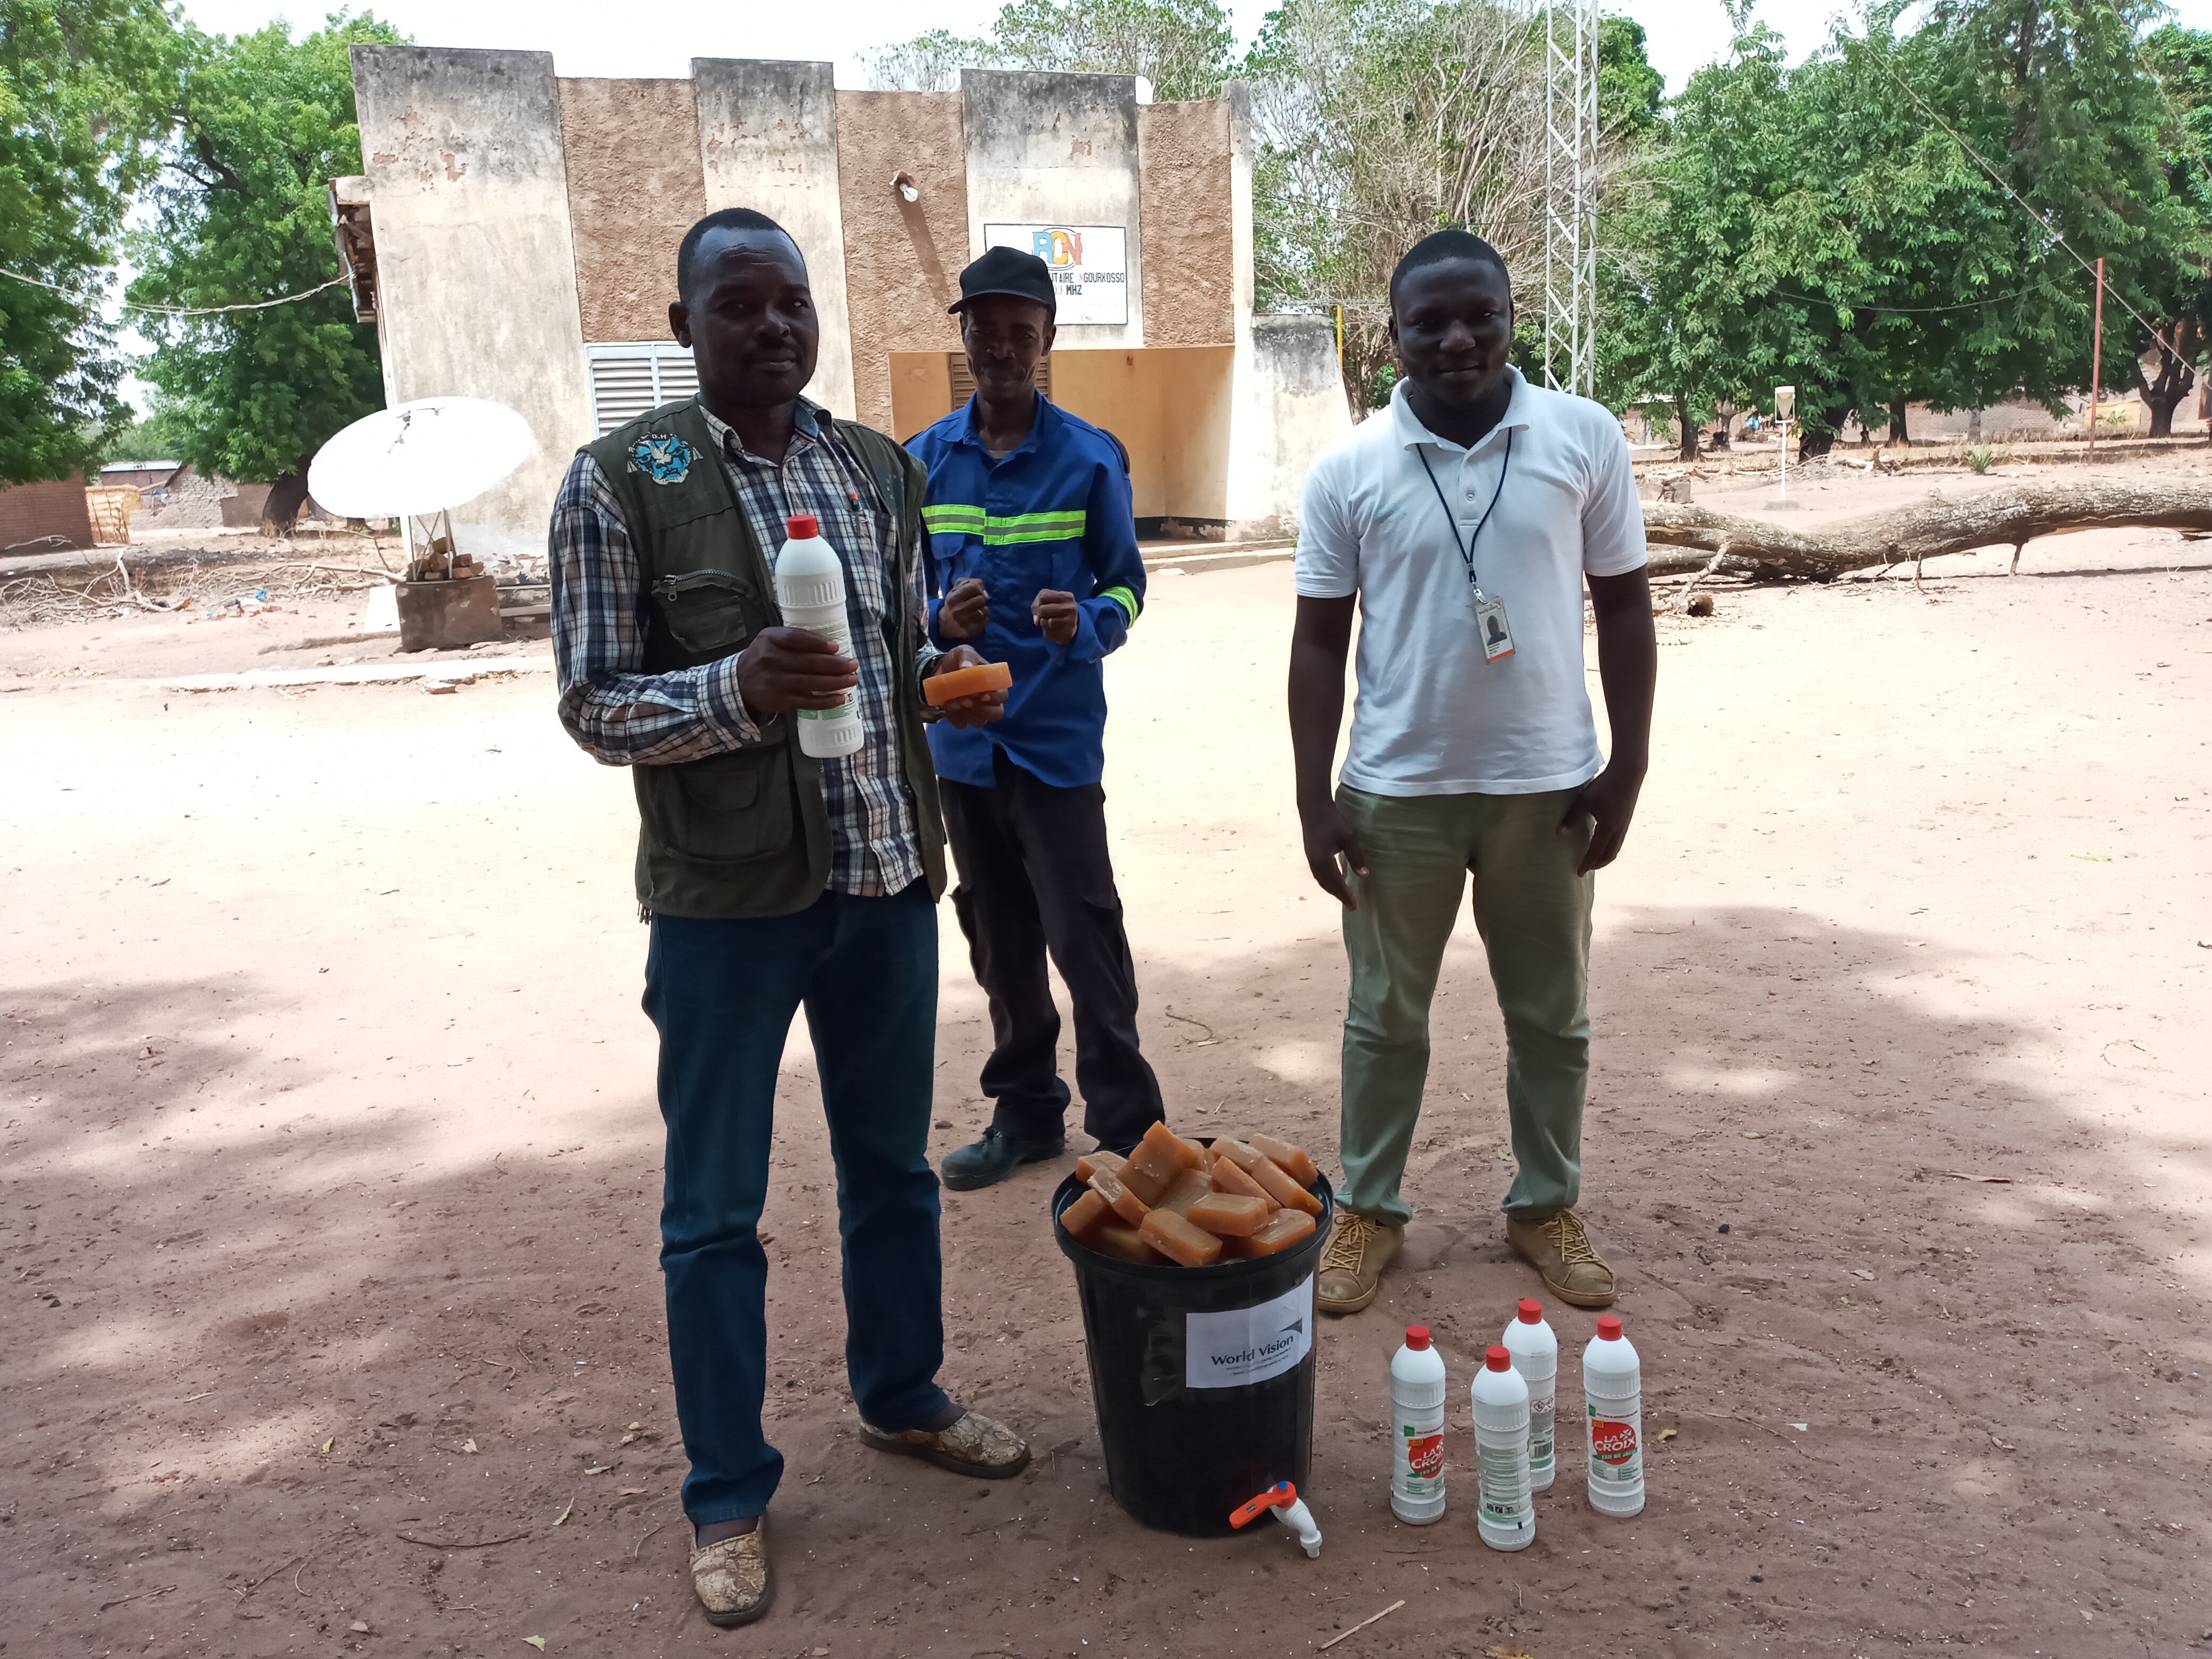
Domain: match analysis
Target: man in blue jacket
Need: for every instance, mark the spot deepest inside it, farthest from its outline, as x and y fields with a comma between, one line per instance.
x=1034, y=552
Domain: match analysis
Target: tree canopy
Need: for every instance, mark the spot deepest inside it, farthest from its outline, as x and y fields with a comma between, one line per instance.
x=241, y=215
x=85, y=89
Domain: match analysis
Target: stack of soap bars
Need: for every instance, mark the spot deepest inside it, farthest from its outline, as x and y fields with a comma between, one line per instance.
x=1174, y=1200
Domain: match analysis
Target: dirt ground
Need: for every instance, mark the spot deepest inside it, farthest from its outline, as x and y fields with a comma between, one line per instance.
x=1900, y=1147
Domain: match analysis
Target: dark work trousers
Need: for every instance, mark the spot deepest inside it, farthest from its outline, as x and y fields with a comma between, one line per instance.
x=722, y=994
x=1035, y=877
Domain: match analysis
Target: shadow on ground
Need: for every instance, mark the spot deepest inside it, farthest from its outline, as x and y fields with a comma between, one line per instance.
x=263, y=1393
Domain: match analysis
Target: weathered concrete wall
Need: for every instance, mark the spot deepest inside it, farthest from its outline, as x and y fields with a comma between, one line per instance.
x=768, y=141
x=1057, y=150
x=1189, y=223
x=475, y=257
x=903, y=259
x=1288, y=404
x=632, y=150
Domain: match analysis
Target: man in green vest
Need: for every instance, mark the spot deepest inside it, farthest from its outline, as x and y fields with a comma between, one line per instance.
x=772, y=880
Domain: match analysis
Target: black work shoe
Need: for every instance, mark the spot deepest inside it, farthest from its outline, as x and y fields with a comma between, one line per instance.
x=994, y=1158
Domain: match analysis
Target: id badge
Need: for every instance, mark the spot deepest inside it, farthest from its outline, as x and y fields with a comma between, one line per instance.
x=1497, y=634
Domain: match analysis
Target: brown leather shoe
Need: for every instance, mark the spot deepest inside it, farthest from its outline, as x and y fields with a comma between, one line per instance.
x=1352, y=1261
x=732, y=1578
x=1560, y=1250
x=975, y=1445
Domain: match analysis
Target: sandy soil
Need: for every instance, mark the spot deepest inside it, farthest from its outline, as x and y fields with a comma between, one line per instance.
x=1939, y=1382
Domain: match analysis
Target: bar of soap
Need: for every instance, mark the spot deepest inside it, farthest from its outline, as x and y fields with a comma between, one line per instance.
x=1280, y=1187
x=1194, y=1156
x=1101, y=1159
x=1127, y=1205
x=1235, y=1152
x=1189, y=1187
x=1229, y=1178
x=1086, y=1214
x=1112, y=1238
x=1227, y=1215
x=1157, y=1160
x=1295, y=1161
x=1176, y=1239
x=1278, y=1232
x=941, y=688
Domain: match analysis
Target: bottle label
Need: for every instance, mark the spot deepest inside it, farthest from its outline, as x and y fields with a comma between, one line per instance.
x=1615, y=1453
x=1425, y=1462
x=841, y=635
x=1539, y=1433
x=1503, y=1487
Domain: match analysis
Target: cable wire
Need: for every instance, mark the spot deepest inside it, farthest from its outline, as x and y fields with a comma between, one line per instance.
x=180, y=311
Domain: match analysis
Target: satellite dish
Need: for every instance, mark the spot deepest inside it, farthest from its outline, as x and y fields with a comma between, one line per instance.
x=417, y=459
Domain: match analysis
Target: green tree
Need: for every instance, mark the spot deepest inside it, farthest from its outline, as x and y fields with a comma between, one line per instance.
x=1718, y=209
x=2181, y=60
x=2056, y=96
x=1181, y=47
x=85, y=89
x=242, y=216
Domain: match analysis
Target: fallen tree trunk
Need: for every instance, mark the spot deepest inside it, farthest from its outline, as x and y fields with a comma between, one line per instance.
x=1696, y=539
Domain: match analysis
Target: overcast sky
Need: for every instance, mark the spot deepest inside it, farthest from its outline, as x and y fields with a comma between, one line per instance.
x=592, y=40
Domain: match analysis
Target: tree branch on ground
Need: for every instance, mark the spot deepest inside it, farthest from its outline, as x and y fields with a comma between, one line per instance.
x=1699, y=539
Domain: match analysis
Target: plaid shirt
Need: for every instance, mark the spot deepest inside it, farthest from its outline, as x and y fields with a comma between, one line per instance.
x=622, y=716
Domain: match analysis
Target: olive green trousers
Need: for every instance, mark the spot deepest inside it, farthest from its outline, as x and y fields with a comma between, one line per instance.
x=1533, y=912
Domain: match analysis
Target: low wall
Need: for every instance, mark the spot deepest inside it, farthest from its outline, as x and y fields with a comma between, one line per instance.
x=31, y=513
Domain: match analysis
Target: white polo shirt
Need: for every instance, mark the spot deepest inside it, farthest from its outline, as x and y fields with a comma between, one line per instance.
x=1432, y=717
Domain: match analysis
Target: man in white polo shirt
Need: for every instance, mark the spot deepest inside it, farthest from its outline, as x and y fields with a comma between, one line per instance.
x=1463, y=521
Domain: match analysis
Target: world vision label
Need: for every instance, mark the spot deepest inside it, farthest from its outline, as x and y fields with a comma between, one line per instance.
x=1242, y=1345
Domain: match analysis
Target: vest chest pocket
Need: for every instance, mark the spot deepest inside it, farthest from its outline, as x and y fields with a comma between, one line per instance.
x=708, y=610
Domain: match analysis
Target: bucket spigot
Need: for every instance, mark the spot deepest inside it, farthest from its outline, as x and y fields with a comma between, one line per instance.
x=1283, y=1498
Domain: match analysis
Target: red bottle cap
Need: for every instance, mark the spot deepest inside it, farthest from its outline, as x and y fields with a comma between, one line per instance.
x=1532, y=1311
x=1417, y=1337
x=801, y=526
x=1608, y=1328
x=1497, y=1359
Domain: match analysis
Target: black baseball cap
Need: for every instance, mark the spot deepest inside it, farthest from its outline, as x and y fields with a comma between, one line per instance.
x=1008, y=270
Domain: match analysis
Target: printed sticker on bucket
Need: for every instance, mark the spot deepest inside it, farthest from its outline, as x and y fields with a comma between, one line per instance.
x=1248, y=1345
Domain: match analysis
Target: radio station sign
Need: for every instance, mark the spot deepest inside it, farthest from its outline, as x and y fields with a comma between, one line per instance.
x=1090, y=266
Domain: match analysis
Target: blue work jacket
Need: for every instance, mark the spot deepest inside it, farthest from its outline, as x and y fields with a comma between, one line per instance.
x=1055, y=513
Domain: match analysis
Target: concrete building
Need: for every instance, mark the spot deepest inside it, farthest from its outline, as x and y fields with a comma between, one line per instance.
x=514, y=237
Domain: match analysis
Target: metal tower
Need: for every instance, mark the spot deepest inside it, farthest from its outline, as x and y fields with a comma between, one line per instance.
x=1570, y=28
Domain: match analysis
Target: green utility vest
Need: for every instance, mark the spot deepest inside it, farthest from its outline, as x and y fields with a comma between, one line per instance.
x=745, y=833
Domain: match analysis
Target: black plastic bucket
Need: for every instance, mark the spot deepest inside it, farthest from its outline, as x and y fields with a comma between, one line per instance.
x=1203, y=1377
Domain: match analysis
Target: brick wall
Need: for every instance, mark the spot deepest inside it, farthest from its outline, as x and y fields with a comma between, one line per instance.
x=29, y=512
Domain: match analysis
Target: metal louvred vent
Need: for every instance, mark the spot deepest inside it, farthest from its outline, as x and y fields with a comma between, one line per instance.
x=630, y=378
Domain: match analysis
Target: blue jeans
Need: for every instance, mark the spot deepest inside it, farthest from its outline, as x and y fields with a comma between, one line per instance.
x=721, y=995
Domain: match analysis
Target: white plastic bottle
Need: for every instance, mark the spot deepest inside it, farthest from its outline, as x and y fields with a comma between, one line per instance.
x=1612, y=1388
x=810, y=591
x=1417, y=1430
x=1505, y=1515
x=1535, y=1350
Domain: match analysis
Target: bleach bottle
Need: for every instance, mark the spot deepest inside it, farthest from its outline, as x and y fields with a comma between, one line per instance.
x=1505, y=1515
x=1612, y=1388
x=810, y=591
x=1417, y=1430
x=1536, y=1350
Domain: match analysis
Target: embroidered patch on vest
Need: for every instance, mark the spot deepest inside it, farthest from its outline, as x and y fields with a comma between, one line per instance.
x=666, y=460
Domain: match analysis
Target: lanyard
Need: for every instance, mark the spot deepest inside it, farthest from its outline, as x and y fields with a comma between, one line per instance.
x=1467, y=553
